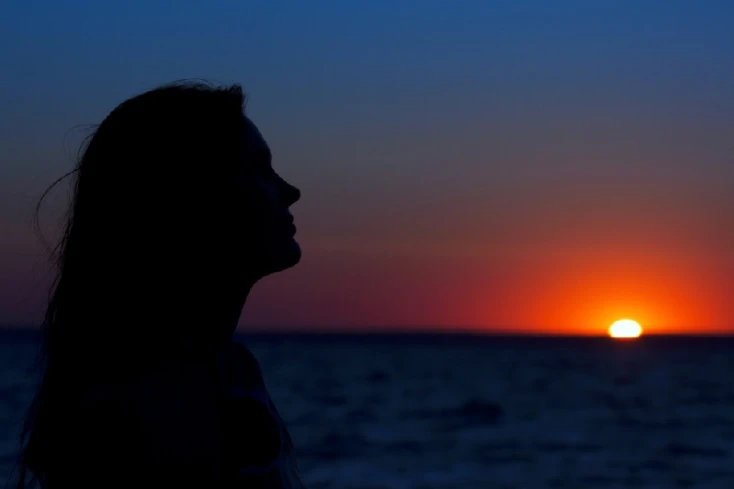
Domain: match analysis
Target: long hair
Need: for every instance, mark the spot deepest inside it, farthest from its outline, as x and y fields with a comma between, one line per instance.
x=146, y=231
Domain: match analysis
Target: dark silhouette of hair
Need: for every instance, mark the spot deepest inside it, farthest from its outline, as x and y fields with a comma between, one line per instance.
x=152, y=190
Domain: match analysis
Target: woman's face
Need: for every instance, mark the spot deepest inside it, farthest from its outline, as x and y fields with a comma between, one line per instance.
x=269, y=232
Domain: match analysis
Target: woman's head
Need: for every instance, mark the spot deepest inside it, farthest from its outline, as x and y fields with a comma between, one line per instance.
x=175, y=193
x=180, y=179
x=176, y=212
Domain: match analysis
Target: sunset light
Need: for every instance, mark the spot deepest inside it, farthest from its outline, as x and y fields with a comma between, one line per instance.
x=625, y=328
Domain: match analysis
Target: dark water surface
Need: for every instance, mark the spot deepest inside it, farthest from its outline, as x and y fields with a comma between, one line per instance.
x=387, y=411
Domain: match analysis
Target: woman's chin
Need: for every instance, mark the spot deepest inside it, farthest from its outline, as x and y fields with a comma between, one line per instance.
x=287, y=256
x=275, y=258
x=293, y=255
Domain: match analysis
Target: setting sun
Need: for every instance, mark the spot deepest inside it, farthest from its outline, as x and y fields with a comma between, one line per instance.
x=625, y=328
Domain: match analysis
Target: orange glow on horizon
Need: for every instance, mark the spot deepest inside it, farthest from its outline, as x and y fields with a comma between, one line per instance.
x=582, y=293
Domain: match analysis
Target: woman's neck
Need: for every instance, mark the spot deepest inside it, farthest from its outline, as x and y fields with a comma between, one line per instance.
x=213, y=323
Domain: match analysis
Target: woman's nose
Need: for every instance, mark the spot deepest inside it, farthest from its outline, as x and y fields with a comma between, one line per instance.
x=291, y=194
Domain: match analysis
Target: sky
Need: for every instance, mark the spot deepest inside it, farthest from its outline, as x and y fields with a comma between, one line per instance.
x=530, y=166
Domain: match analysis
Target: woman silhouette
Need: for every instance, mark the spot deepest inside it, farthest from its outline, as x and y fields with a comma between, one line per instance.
x=176, y=214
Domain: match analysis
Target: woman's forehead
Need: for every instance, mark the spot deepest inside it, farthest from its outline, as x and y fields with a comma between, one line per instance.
x=252, y=137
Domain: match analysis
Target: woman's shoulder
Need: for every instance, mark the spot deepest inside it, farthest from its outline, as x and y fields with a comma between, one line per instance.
x=169, y=420
x=102, y=429
x=104, y=404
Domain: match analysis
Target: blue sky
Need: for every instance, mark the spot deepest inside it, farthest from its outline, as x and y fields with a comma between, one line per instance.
x=487, y=136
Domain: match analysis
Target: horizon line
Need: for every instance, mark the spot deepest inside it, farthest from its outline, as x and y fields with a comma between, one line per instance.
x=416, y=331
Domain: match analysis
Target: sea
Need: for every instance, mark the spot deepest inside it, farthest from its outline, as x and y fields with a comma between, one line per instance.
x=446, y=411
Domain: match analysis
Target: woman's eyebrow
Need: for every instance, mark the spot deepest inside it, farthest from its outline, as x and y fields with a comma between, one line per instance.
x=261, y=153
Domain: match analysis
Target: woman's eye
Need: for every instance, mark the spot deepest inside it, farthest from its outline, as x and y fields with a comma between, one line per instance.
x=260, y=171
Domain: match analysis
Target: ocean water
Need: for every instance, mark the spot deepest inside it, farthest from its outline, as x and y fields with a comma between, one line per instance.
x=409, y=412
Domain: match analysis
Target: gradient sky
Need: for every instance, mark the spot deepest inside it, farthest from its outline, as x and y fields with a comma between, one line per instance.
x=523, y=166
